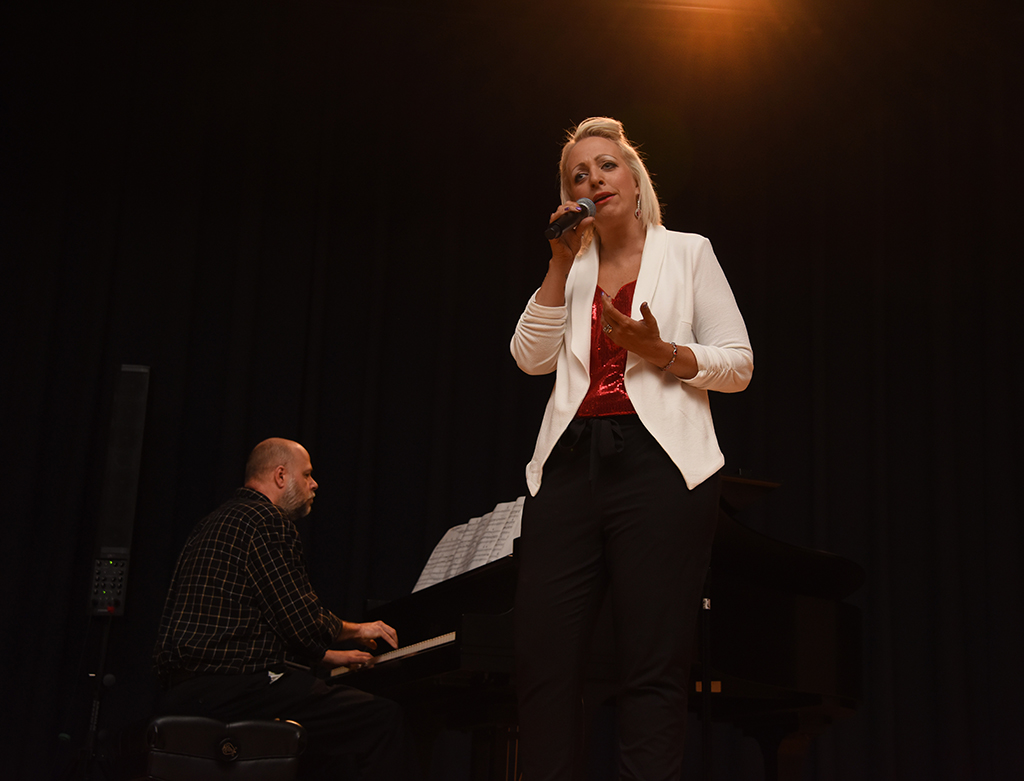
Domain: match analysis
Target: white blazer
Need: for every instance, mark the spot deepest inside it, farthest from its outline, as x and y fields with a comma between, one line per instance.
x=689, y=296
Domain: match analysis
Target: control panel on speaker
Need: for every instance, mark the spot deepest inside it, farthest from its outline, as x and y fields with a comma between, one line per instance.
x=109, y=578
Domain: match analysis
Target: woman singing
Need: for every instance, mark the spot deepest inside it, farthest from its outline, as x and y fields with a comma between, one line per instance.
x=638, y=323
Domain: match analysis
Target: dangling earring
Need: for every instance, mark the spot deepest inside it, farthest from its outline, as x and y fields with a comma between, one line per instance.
x=637, y=212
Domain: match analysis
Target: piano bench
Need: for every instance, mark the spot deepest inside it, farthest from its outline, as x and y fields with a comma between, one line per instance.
x=187, y=748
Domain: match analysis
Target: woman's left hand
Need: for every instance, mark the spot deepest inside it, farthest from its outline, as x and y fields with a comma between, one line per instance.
x=638, y=336
x=643, y=337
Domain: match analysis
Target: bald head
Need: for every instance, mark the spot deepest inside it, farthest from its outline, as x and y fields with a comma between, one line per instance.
x=267, y=455
x=280, y=469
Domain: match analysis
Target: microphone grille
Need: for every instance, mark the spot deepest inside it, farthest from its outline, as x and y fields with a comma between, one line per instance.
x=589, y=205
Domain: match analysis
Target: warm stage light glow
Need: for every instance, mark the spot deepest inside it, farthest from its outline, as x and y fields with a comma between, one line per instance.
x=735, y=6
x=738, y=11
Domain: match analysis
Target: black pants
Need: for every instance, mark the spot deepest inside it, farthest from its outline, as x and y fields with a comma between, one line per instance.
x=613, y=513
x=348, y=730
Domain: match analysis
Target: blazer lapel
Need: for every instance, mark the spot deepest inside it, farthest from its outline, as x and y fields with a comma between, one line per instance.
x=584, y=285
x=647, y=280
x=650, y=267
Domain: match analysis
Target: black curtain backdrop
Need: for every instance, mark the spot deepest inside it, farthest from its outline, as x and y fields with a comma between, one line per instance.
x=321, y=220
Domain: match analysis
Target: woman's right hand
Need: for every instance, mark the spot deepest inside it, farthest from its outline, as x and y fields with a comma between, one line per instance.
x=563, y=252
x=565, y=248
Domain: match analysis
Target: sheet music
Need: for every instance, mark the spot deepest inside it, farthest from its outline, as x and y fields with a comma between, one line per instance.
x=473, y=544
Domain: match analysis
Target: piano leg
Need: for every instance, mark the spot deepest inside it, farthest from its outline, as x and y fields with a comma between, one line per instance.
x=785, y=742
x=495, y=753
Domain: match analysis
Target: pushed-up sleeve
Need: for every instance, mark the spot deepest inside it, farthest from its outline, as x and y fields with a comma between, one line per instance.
x=538, y=337
x=725, y=359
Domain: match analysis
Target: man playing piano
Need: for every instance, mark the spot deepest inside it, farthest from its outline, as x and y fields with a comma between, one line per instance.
x=240, y=599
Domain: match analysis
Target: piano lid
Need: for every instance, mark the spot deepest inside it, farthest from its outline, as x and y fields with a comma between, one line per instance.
x=741, y=553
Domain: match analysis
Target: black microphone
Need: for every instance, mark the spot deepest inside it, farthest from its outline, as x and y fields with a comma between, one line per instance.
x=570, y=219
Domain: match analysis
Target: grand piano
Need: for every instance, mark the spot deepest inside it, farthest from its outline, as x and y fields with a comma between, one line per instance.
x=779, y=655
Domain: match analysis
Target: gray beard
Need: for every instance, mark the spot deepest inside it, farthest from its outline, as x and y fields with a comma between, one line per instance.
x=293, y=504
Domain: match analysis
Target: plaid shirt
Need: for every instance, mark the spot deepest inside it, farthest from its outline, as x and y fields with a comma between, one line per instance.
x=240, y=597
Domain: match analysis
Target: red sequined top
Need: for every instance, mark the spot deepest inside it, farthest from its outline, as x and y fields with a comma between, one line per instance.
x=607, y=394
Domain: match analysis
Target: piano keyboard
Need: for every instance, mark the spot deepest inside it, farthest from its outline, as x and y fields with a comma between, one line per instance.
x=400, y=653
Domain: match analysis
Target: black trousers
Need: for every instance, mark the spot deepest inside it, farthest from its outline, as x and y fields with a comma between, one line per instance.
x=613, y=514
x=351, y=734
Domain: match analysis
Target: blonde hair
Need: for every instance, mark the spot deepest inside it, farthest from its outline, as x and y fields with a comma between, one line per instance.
x=606, y=127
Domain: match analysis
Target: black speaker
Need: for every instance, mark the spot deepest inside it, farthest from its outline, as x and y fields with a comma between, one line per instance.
x=120, y=491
